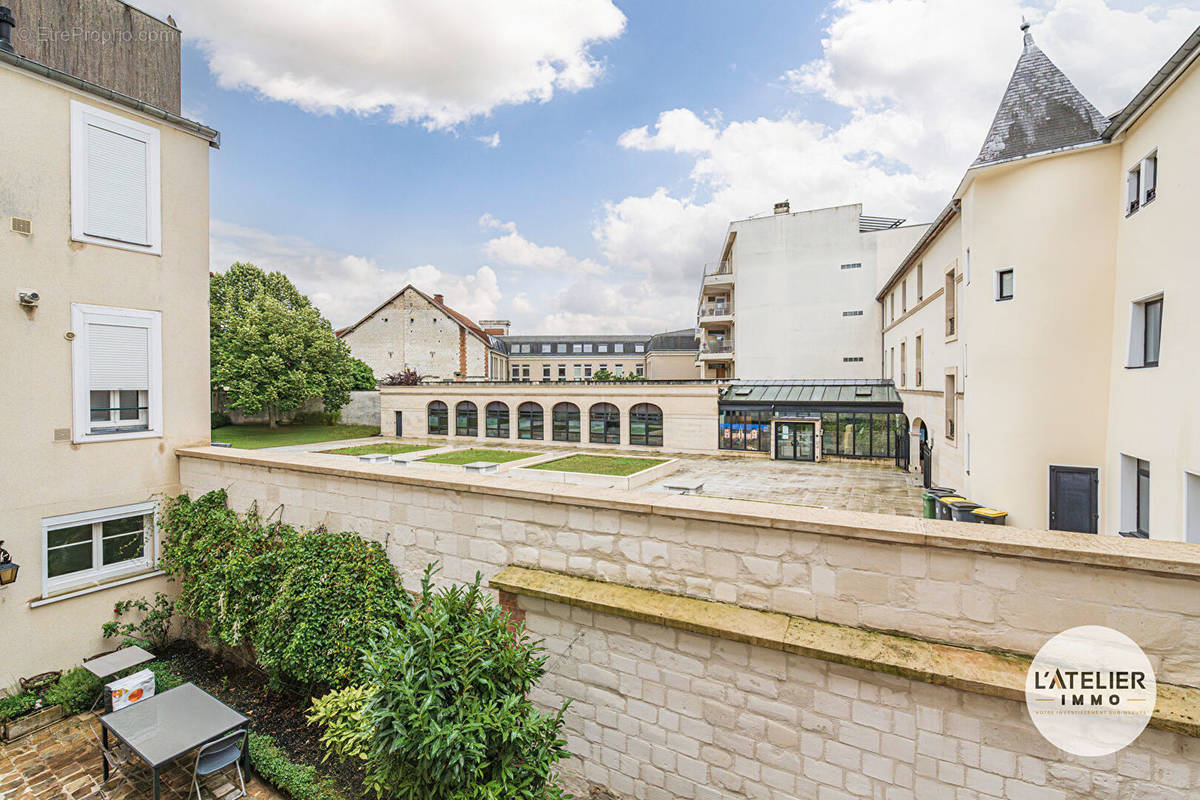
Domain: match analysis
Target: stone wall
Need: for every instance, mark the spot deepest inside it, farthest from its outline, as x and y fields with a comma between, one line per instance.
x=363, y=409
x=665, y=713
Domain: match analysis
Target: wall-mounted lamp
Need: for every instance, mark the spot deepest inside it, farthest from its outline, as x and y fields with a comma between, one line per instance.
x=8, y=570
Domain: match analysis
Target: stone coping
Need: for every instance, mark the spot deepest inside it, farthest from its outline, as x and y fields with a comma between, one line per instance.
x=1177, y=559
x=994, y=674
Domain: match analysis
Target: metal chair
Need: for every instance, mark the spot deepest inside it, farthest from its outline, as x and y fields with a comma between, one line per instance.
x=217, y=755
x=117, y=758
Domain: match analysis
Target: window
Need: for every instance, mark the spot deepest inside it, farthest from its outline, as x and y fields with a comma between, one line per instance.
x=745, y=430
x=466, y=419
x=949, y=300
x=562, y=372
x=587, y=348
x=529, y=421
x=1150, y=178
x=951, y=407
x=1191, y=507
x=438, y=418
x=587, y=371
x=525, y=372
x=516, y=372
x=968, y=266
x=920, y=282
x=1141, y=183
x=603, y=368
x=117, y=368
x=619, y=347
x=904, y=296
x=903, y=364
x=851, y=359
x=852, y=266
x=95, y=546
x=640, y=370
x=892, y=363
x=639, y=348
x=578, y=371
x=601, y=348
x=861, y=435
x=1143, y=498
x=918, y=363
x=892, y=307
x=114, y=181
x=562, y=348
x=646, y=425
x=605, y=424
x=496, y=421
x=547, y=348
x=1004, y=284
x=545, y=372
x=852, y=313
x=566, y=422
x=1145, y=337
x=620, y=373
x=577, y=348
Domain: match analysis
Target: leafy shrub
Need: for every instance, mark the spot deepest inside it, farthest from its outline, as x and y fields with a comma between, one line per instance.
x=362, y=376
x=300, y=781
x=406, y=377
x=442, y=712
x=16, y=705
x=151, y=631
x=164, y=677
x=76, y=690
x=307, y=601
x=220, y=420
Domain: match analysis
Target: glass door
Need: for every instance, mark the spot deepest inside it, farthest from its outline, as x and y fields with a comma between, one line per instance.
x=785, y=448
x=796, y=441
x=805, y=438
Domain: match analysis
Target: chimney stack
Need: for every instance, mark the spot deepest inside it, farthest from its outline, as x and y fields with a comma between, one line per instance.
x=6, y=26
x=783, y=208
x=439, y=299
x=495, y=327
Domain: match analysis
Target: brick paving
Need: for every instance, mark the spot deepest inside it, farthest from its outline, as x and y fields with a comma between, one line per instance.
x=62, y=762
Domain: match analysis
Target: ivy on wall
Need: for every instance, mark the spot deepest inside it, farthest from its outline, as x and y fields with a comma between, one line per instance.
x=306, y=601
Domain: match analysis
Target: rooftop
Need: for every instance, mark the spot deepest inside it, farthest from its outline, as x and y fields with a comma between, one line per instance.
x=812, y=392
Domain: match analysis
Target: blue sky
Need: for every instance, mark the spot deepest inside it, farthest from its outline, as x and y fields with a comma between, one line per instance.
x=628, y=135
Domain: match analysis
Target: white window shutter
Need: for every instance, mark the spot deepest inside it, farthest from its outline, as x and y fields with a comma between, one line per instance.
x=1149, y=172
x=118, y=357
x=1132, y=193
x=117, y=174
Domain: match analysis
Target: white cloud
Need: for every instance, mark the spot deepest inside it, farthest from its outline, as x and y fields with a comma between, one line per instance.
x=514, y=250
x=492, y=141
x=439, y=63
x=345, y=286
x=916, y=82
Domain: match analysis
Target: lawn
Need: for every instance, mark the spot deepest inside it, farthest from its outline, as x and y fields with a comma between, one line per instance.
x=601, y=465
x=468, y=456
x=252, y=437
x=383, y=448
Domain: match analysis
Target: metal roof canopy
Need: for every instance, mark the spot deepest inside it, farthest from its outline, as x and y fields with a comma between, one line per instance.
x=845, y=393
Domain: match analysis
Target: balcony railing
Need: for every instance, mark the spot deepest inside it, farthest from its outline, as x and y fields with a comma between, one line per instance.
x=718, y=268
x=723, y=346
x=716, y=309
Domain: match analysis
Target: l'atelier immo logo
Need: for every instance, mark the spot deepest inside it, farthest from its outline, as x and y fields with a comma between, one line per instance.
x=1090, y=690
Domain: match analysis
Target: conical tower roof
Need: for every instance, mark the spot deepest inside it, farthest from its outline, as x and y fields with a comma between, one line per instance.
x=1041, y=111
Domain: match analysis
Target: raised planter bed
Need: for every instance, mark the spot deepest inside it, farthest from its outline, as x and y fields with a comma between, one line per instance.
x=23, y=726
x=546, y=472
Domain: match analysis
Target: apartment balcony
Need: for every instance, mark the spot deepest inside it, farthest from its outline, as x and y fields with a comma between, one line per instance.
x=716, y=350
x=719, y=273
x=713, y=313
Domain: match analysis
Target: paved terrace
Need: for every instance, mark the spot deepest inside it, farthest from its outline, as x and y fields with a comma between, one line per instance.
x=63, y=762
x=846, y=485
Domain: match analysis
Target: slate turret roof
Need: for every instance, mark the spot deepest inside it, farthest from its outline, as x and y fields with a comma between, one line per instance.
x=1041, y=111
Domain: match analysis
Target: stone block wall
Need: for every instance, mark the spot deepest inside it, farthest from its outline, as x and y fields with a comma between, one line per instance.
x=661, y=714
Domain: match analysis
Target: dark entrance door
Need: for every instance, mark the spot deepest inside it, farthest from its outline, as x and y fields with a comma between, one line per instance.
x=1074, y=499
x=796, y=441
x=399, y=423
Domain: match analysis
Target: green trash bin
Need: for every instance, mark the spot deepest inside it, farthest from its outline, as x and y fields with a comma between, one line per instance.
x=930, y=505
x=960, y=510
x=990, y=516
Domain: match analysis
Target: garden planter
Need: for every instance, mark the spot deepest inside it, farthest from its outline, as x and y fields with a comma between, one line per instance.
x=16, y=728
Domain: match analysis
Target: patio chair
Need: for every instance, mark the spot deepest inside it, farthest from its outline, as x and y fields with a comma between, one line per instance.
x=118, y=759
x=218, y=755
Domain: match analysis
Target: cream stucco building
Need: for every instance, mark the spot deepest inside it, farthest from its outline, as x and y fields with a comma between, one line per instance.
x=791, y=294
x=1033, y=352
x=104, y=266
x=662, y=356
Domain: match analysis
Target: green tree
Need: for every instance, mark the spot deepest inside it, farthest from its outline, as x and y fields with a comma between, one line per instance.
x=362, y=377
x=271, y=348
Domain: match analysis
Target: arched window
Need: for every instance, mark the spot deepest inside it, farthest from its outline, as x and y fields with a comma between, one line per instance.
x=605, y=424
x=497, y=420
x=566, y=422
x=529, y=421
x=439, y=418
x=466, y=419
x=646, y=425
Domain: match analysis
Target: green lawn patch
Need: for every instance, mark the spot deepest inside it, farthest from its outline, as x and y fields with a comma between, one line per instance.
x=479, y=454
x=252, y=437
x=601, y=465
x=383, y=448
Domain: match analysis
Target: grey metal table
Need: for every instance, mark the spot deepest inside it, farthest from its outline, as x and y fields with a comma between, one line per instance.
x=117, y=660
x=166, y=726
